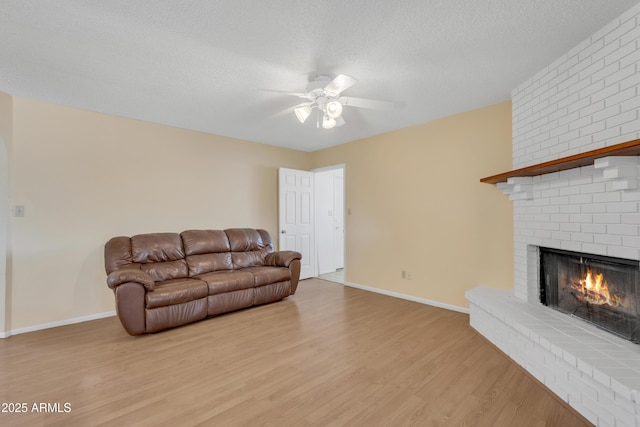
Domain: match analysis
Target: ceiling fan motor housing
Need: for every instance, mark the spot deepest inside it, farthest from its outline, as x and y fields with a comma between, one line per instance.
x=317, y=85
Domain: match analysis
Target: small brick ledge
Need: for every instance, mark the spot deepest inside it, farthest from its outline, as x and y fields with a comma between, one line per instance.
x=596, y=373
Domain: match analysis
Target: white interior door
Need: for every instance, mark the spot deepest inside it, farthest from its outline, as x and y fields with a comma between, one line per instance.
x=295, y=199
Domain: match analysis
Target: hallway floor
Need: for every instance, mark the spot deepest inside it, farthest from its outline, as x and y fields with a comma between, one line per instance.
x=336, y=276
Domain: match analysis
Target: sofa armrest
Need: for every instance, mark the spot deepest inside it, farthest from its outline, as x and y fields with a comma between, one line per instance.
x=118, y=277
x=130, y=306
x=282, y=258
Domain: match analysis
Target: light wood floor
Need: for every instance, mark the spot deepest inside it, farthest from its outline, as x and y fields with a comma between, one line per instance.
x=328, y=356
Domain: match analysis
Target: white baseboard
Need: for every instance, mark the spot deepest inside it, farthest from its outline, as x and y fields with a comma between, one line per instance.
x=56, y=324
x=409, y=297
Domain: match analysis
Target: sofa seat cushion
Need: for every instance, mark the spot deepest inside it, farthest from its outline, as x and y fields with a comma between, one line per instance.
x=175, y=291
x=227, y=281
x=266, y=275
x=160, y=318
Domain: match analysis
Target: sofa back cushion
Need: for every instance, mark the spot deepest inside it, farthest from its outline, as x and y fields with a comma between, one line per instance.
x=266, y=240
x=207, y=251
x=117, y=254
x=247, y=247
x=168, y=256
x=160, y=254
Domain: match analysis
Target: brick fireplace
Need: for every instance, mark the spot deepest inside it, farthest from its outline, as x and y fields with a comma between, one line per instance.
x=586, y=100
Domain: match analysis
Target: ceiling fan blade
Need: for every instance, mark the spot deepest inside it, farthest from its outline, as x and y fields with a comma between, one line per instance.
x=283, y=92
x=371, y=104
x=339, y=84
x=339, y=121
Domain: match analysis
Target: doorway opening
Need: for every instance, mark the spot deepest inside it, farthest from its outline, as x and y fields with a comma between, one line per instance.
x=330, y=223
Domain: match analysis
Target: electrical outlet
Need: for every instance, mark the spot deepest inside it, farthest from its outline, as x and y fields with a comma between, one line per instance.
x=409, y=275
x=404, y=274
x=18, y=211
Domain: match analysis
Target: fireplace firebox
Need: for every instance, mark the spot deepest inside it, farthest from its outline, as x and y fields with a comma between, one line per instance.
x=602, y=290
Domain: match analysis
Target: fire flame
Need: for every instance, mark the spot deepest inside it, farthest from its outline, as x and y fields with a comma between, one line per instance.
x=595, y=290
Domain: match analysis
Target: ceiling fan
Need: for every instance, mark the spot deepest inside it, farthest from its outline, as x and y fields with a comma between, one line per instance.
x=323, y=94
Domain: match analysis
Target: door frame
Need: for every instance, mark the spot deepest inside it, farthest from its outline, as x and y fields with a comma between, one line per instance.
x=5, y=298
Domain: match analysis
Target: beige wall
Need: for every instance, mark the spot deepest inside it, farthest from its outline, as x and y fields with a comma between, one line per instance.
x=85, y=177
x=417, y=205
x=6, y=117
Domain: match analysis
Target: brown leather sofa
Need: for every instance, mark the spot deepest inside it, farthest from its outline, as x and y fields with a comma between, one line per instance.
x=164, y=280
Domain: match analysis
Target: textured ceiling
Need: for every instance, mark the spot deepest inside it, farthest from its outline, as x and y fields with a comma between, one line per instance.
x=208, y=65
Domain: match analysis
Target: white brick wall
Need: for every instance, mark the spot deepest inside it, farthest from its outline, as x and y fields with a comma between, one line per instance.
x=587, y=99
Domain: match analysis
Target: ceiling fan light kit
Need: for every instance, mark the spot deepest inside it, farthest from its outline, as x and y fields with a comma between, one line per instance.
x=328, y=122
x=302, y=113
x=334, y=109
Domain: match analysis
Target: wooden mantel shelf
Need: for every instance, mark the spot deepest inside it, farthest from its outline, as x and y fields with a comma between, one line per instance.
x=630, y=148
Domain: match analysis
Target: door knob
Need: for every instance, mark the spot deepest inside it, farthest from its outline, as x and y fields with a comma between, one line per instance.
x=283, y=231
